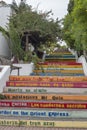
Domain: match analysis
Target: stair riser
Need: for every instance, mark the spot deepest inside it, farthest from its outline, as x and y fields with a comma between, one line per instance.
x=57, y=69
x=47, y=84
x=48, y=78
x=61, y=66
x=61, y=105
x=44, y=124
x=60, y=71
x=45, y=113
x=45, y=97
x=45, y=90
x=59, y=63
x=56, y=74
x=63, y=60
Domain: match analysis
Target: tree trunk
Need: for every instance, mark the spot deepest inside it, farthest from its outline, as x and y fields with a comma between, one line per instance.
x=27, y=42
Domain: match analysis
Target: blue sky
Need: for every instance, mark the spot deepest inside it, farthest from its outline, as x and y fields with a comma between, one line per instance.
x=58, y=7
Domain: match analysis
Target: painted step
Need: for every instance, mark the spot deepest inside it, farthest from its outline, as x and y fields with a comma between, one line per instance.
x=45, y=90
x=43, y=124
x=46, y=84
x=35, y=128
x=60, y=56
x=60, y=71
x=61, y=53
x=48, y=78
x=55, y=74
x=59, y=63
x=57, y=68
x=26, y=104
x=61, y=60
x=44, y=97
x=60, y=66
x=52, y=114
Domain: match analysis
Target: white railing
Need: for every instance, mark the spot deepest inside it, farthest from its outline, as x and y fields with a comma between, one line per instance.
x=4, y=76
x=74, y=53
x=82, y=60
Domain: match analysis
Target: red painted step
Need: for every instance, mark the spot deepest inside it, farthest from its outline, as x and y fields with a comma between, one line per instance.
x=46, y=84
x=61, y=105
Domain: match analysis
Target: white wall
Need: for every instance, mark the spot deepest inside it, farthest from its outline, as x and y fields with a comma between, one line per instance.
x=4, y=76
x=26, y=69
x=4, y=15
x=82, y=60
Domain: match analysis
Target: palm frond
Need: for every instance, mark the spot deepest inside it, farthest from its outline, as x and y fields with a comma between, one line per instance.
x=4, y=32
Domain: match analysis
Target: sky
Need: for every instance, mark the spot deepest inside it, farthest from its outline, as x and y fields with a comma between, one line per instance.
x=58, y=7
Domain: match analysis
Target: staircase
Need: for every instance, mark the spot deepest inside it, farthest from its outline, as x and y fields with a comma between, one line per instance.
x=54, y=96
x=59, y=64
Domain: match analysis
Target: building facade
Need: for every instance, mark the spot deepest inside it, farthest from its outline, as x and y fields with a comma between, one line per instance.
x=5, y=11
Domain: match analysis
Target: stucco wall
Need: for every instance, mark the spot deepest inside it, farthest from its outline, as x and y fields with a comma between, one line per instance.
x=4, y=76
x=4, y=15
x=26, y=69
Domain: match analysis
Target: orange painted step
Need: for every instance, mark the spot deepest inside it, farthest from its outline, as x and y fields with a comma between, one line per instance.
x=48, y=78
